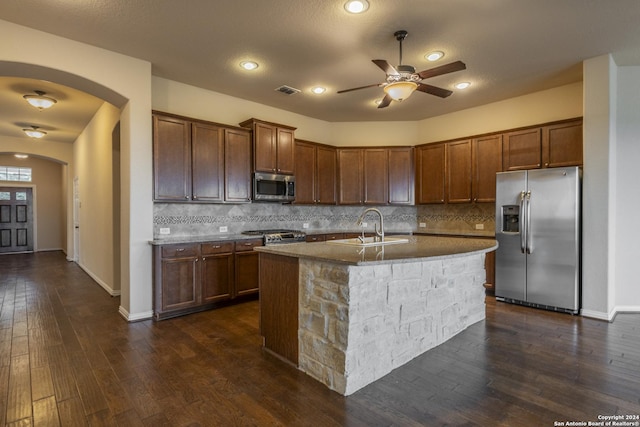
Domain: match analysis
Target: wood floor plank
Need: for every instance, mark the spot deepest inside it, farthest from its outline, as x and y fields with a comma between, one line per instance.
x=65, y=350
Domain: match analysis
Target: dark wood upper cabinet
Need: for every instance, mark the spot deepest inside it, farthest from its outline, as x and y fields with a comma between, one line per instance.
x=315, y=172
x=458, y=171
x=487, y=161
x=430, y=173
x=401, y=176
x=207, y=154
x=196, y=161
x=521, y=150
x=375, y=176
x=350, y=167
x=562, y=144
x=326, y=174
x=237, y=161
x=171, y=159
x=273, y=146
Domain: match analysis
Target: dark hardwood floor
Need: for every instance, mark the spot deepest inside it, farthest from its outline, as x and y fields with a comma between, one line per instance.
x=67, y=358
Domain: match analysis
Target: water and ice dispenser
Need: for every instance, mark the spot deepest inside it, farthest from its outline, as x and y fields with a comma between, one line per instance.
x=511, y=218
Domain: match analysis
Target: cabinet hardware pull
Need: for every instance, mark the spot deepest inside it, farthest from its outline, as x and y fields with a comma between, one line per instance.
x=180, y=250
x=216, y=246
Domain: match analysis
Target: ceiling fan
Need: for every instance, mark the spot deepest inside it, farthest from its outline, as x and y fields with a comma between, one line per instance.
x=402, y=80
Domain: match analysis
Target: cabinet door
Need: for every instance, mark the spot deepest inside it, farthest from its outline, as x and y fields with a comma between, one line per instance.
x=180, y=283
x=562, y=144
x=326, y=172
x=247, y=274
x=217, y=277
x=350, y=180
x=401, y=176
x=305, y=173
x=375, y=176
x=264, y=148
x=430, y=165
x=459, y=171
x=207, y=153
x=285, y=151
x=171, y=159
x=487, y=161
x=521, y=150
x=237, y=164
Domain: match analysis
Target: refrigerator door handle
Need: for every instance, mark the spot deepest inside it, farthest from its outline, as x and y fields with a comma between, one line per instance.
x=528, y=219
x=523, y=219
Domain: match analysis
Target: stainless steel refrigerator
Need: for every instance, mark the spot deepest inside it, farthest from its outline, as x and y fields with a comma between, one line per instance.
x=538, y=231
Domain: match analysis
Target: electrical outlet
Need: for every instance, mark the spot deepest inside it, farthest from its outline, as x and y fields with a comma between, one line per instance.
x=305, y=225
x=165, y=231
x=423, y=225
x=223, y=229
x=479, y=226
x=364, y=224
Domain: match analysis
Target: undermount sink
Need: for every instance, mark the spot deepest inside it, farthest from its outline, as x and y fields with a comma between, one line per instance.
x=369, y=241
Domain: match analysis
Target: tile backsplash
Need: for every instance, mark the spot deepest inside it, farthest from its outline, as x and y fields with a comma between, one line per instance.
x=185, y=220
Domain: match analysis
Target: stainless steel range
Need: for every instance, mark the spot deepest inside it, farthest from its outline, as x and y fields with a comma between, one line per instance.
x=278, y=236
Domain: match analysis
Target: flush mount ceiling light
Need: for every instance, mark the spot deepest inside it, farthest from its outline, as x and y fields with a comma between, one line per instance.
x=40, y=101
x=356, y=6
x=400, y=90
x=462, y=85
x=34, y=132
x=434, y=56
x=249, y=65
x=318, y=90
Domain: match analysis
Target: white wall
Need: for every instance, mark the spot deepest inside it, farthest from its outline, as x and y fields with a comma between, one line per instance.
x=598, y=188
x=627, y=196
x=93, y=158
x=126, y=83
x=49, y=210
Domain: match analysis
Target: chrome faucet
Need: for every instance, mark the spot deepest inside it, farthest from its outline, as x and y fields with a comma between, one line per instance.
x=379, y=237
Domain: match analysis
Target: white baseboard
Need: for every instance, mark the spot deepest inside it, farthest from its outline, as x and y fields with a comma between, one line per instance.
x=611, y=316
x=109, y=289
x=135, y=317
x=608, y=317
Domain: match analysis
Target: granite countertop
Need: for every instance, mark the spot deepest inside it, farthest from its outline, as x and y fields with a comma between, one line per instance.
x=418, y=248
x=202, y=238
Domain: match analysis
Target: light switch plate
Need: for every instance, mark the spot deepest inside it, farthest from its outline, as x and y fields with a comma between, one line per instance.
x=423, y=225
x=305, y=225
x=479, y=226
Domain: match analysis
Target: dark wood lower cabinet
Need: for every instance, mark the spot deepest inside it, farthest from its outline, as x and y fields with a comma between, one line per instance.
x=196, y=277
x=279, y=305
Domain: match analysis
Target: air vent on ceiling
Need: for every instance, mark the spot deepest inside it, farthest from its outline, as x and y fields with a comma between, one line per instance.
x=288, y=90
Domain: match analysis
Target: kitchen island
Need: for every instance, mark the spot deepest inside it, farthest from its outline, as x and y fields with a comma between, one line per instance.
x=348, y=315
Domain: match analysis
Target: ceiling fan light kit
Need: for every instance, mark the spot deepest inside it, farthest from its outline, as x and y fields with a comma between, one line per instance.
x=401, y=81
x=40, y=101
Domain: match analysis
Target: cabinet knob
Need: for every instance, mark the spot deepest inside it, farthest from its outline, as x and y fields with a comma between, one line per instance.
x=546, y=164
x=186, y=197
x=195, y=197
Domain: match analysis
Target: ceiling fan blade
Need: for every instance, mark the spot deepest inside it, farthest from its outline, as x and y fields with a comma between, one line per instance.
x=386, y=67
x=385, y=101
x=433, y=90
x=443, y=69
x=361, y=87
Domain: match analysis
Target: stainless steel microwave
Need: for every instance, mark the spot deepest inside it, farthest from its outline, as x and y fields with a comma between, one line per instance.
x=273, y=187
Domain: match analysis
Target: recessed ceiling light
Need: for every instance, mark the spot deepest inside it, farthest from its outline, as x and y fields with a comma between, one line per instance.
x=356, y=6
x=318, y=90
x=434, y=56
x=21, y=156
x=462, y=85
x=249, y=65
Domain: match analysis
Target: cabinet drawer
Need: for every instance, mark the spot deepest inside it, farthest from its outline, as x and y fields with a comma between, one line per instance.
x=334, y=236
x=179, y=251
x=316, y=238
x=247, y=245
x=216, y=248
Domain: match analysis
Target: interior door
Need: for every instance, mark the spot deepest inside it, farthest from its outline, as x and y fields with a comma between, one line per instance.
x=16, y=219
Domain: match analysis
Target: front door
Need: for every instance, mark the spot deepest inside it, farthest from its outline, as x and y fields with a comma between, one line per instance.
x=16, y=219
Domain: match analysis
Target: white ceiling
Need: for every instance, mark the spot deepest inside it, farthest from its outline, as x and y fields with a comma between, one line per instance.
x=510, y=47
